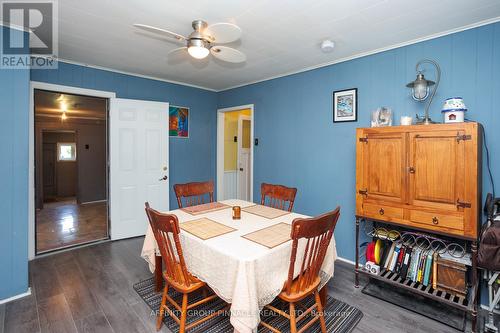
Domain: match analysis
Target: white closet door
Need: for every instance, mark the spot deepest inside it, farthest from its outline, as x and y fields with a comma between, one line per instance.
x=138, y=164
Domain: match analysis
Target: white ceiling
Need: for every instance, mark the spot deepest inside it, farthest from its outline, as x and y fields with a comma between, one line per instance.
x=279, y=36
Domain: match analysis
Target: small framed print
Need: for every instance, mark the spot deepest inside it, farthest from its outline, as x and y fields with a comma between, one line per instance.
x=178, y=118
x=345, y=105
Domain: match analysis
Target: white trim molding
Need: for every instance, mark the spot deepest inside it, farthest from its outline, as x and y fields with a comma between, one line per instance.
x=71, y=62
x=31, y=180
x=347, y=261
x=220, y=147
x=93, y=202
x=13, y=298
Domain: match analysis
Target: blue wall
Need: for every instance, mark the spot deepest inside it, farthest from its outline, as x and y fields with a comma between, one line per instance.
x=298, y=143
x=14, y=111
x=300, y=146
x=191, y=159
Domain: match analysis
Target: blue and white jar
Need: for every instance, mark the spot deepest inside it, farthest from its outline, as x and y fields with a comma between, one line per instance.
x=454, y=110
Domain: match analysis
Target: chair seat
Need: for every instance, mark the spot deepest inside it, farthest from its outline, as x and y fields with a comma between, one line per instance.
x=186, y=286
x=296, y=294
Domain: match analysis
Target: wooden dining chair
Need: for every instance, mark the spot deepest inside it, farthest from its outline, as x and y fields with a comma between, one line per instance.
x=194, y=193
x=277, y=196
x=166, y=231
x=317, y=233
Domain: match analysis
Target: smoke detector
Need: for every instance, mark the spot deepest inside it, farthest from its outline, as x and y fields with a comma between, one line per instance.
x=327, y=46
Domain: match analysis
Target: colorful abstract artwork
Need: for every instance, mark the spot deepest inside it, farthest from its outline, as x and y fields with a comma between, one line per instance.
x=345, y=104
x=178, y=118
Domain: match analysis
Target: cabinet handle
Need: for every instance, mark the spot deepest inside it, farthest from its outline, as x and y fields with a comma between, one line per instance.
x=381, y=211
x=435, y=220
x=411, y=169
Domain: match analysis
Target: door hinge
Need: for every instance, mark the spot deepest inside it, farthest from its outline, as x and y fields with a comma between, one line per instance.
x=365, y=139
x=363, y=192
x=461, y=204
x=463, y=137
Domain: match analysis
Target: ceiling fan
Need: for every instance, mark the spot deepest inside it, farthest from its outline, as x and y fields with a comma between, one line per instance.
x=205, y=39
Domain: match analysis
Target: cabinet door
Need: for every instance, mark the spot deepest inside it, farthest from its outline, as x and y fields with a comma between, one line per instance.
x=437, y=169
x=383, y=166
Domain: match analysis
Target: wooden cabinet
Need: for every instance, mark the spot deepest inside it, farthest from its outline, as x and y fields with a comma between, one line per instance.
x=426, y=177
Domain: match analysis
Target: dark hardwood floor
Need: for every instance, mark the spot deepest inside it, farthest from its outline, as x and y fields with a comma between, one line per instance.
x=90, y=290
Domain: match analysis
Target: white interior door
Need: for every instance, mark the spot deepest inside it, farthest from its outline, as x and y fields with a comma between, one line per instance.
x=138, y=164
x=244, y=165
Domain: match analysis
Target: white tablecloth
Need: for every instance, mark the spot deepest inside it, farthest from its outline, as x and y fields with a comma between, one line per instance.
x=241, y=272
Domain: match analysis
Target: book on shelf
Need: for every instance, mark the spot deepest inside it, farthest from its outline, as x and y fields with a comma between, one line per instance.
x=414, y=264
x=395, y=257
x=406, y=262
x=421, y=264
x=428, y=268
x=399, y=262
x=385, y=251
x=434, y=270
x=390, y=253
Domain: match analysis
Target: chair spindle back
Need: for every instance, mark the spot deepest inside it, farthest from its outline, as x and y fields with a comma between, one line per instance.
x=196, y=193
x=277, y=196
x=166, y=231
x=318, y=231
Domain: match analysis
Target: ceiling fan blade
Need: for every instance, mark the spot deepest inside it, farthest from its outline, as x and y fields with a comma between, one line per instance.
x=160, y=31
x=177, y=50
x=224, y=32
x=227, y=54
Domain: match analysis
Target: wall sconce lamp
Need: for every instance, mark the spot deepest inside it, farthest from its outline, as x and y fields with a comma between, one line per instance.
x=420, y=89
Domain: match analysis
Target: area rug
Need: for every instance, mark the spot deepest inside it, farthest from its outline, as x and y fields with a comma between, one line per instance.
x=339, y=316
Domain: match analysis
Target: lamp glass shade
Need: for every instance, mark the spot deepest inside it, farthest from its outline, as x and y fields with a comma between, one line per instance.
x=420, y=90
x=198, y=52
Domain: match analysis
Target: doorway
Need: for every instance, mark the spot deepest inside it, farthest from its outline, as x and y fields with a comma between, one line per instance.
x=71, y=173
x=235, y=153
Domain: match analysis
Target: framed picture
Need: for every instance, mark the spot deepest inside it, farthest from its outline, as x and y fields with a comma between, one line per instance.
x=345, y=105
x=178, y=119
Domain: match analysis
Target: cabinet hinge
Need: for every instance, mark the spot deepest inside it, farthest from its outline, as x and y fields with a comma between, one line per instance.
x=365, y=139
x=463, y=137
x=363, y=192
x=461, y=204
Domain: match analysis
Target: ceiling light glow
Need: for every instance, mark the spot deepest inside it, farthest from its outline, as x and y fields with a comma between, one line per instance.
x=198, y=52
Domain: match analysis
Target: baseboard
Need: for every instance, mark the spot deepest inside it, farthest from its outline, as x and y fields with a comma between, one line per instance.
x=93, y=202
x=347, y=261
x=13, y=298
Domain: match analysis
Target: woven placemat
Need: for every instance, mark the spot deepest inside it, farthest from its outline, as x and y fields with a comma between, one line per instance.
x=204, y=208
x=265, y=211
x=271, y=236
x=205, y=228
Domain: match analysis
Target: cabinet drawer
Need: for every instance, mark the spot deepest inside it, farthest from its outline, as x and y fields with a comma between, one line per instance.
x=382, y=212
x=437, y=220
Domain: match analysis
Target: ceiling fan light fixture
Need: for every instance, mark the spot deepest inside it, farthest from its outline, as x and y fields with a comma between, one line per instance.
x=205, y=40
x=198, y=49
x=198, y=52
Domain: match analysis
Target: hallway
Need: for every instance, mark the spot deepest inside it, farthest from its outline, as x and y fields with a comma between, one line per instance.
x=65, y=223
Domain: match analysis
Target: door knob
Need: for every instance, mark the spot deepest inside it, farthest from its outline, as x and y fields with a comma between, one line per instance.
x=164, y=178
x=241, y=169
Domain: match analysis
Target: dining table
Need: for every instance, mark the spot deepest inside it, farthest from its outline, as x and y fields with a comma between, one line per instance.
x=242, y=272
